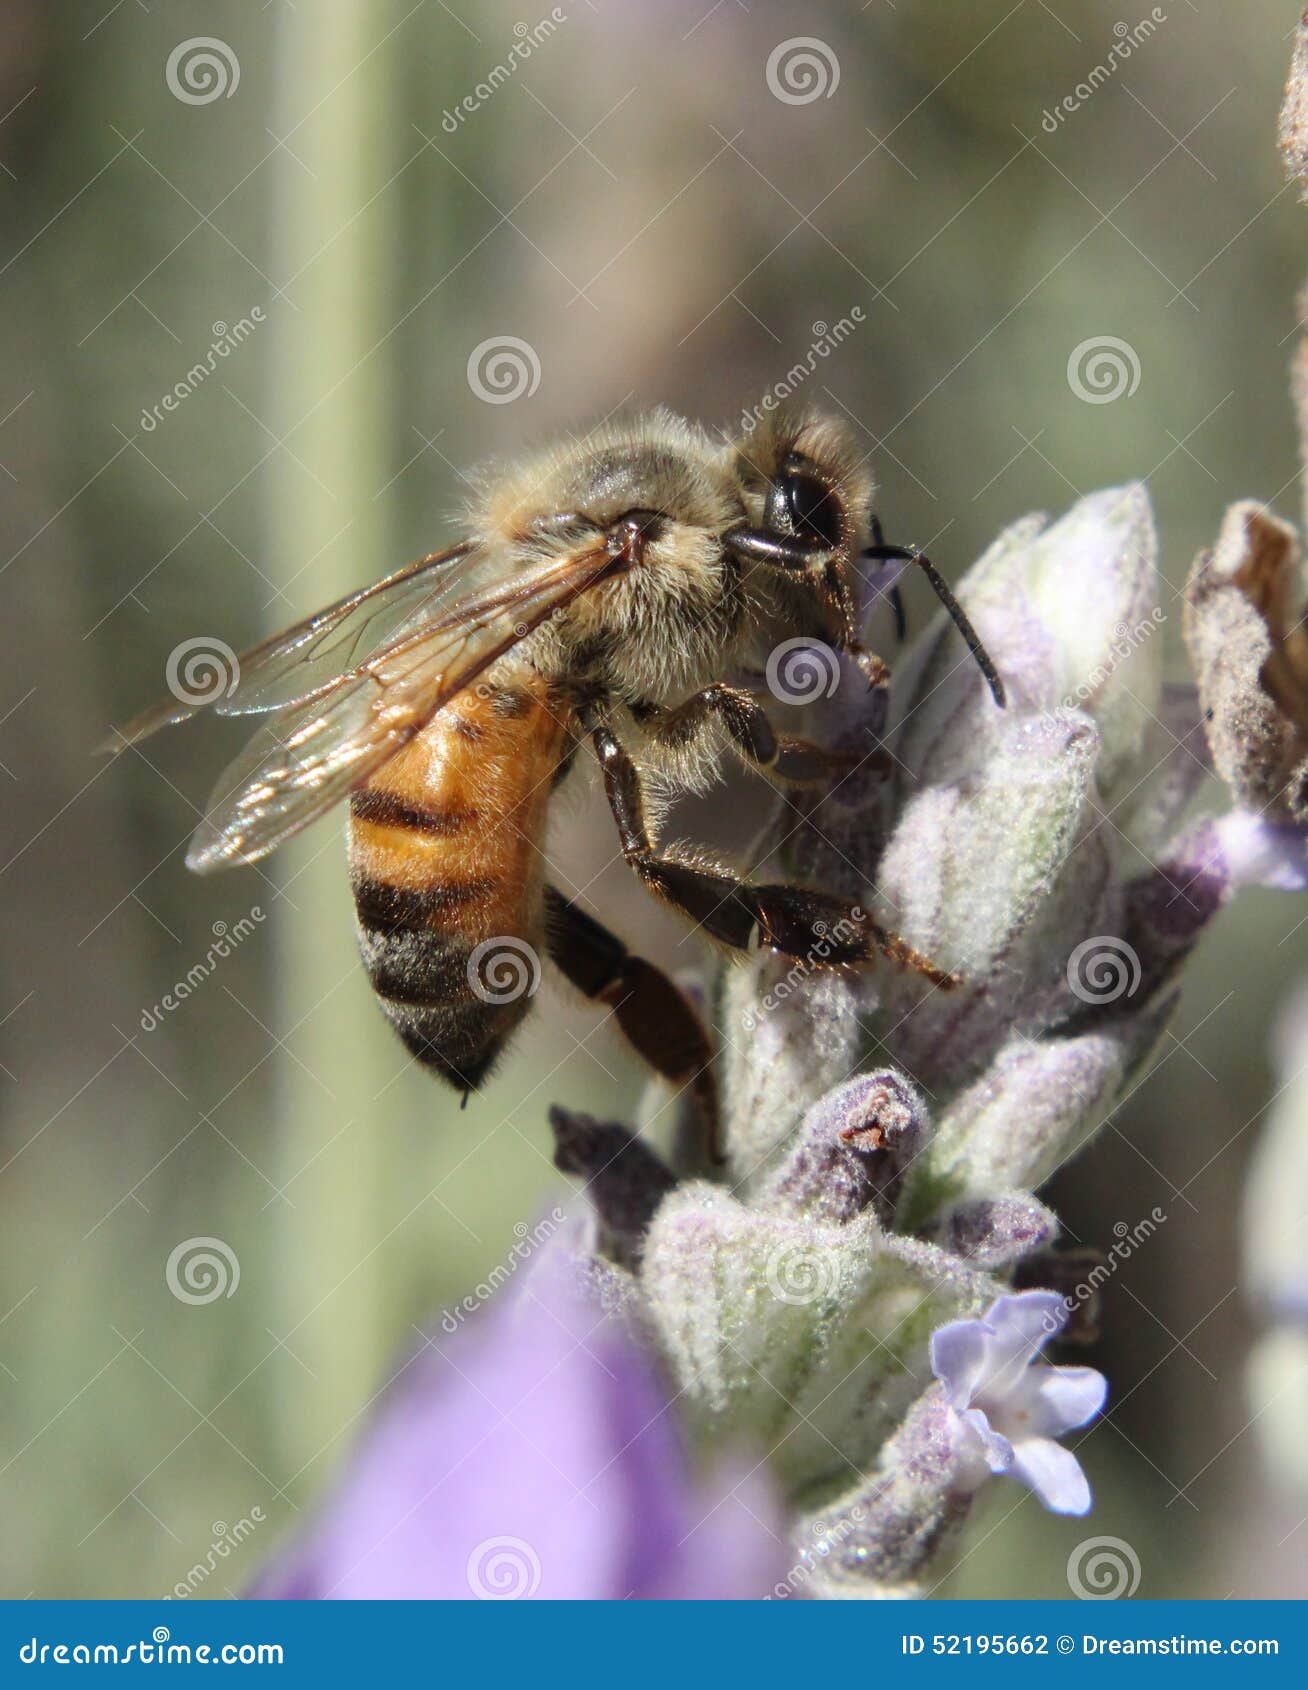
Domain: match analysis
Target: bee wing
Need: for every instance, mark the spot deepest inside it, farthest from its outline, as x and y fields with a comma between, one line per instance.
x=297, y=664
x=311, y=753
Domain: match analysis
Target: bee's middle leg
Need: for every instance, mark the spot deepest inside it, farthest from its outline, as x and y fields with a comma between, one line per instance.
x=656, y=1018
x=752, y=734
x=796, y=920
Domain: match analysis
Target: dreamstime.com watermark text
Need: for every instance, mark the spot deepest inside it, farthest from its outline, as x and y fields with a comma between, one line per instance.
x=848, y=927
x=158, y=1650
x=1127, y=640
x=226, y=1540
x=1129, y=37
x=825, y=341
x=529, y=37
x=226, y=939
x=225, y=341
x=825, y=1539
x=1127, y=1240
x=529, y=1240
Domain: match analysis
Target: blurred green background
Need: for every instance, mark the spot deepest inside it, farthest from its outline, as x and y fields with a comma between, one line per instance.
x=638, y=207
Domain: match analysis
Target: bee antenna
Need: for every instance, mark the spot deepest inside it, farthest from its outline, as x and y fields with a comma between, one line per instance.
x=880, y=552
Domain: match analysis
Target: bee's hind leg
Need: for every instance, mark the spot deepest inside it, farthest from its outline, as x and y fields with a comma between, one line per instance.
x=812, y=926
x=654, y=1015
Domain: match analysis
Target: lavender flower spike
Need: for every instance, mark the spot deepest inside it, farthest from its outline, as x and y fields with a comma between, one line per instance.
x=1009, y=1409
x=862, y=1234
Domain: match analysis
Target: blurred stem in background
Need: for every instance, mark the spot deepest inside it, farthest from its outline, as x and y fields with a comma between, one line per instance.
x=329, y=390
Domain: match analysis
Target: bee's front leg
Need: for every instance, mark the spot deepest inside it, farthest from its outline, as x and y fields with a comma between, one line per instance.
x=795, y=920
x=756, y=741
x=875, y=670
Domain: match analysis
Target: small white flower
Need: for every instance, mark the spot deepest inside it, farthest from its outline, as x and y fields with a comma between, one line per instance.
x=1008, y=1409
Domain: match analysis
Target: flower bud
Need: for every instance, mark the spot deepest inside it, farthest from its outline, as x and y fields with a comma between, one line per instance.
x=851, y=1150
x=1244, y=627
x=993, y=1232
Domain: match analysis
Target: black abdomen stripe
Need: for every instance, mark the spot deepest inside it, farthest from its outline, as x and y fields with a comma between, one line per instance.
x=420, y=970
x=388, y=809
x=399, y=909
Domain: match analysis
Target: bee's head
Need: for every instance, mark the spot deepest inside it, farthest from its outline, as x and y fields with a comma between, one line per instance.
x=803, y=475
x=808, y=497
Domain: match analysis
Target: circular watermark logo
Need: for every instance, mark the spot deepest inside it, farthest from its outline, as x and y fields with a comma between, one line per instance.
x=1102, y=369
x=1101, y=1569
x=503, y=969
x=202, y=70
x=503, y=368
x=800, y=671
x=802, y=70
x=200, y=1270
x=1103, y=969
x=503, y=1569
x=202, y=670
x=800, y=1273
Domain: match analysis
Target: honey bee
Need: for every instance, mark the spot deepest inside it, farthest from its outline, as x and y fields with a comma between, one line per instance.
x=601, y=592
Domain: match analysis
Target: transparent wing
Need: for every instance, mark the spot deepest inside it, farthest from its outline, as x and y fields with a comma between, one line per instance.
x=300, y=664
x=311, y=753
x=301, y=661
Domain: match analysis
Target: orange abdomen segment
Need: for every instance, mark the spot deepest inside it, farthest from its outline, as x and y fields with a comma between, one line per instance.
x=447, y=870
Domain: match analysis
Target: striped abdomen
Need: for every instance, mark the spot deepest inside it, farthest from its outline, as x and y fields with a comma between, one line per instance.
x=447, y=871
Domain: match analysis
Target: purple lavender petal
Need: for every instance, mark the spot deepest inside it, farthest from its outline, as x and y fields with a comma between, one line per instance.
x=1175, y=900
x=533, y=1453
x=1000, y=1454
x=1022, y=1325
x=625, y=1180
x=1064, y=1398
x=961, y=1359
x=1008, y=1410
x=1054, y=1474
x=729, y=1547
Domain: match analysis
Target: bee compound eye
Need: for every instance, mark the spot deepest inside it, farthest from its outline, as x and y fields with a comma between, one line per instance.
x=800, y=504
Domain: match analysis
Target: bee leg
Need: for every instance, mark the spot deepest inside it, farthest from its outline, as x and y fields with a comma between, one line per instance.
x=656, y=1018
x=875, y=670
x=828, y=932
x=786, y=757
x=812, y=926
